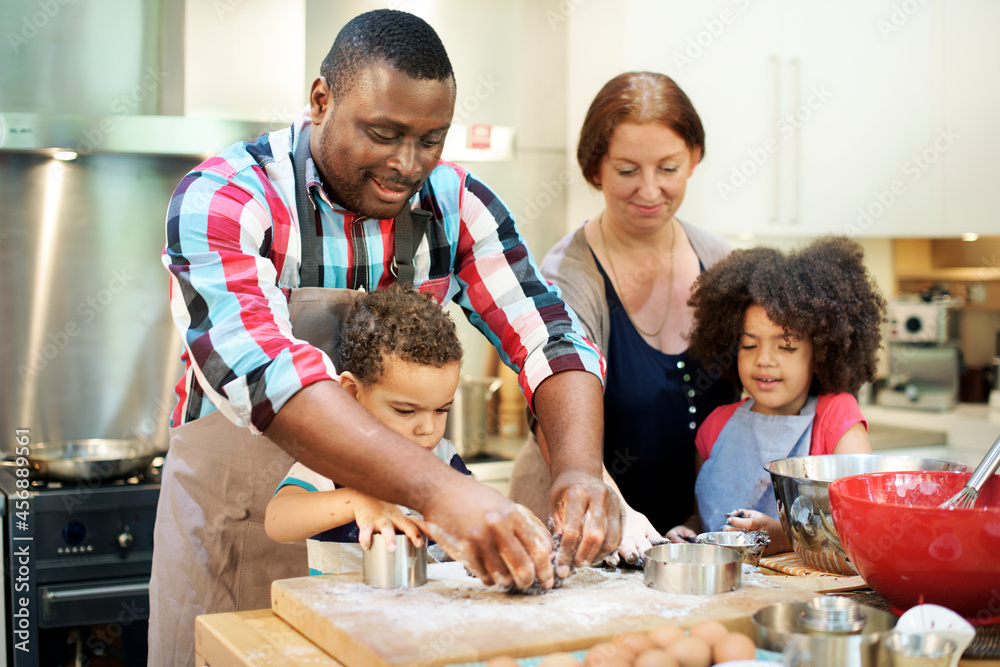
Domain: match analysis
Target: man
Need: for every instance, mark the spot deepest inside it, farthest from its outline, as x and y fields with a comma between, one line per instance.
x=267, y=244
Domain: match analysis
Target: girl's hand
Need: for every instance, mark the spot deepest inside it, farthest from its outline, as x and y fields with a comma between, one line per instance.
x=752, y=520
x=372, y=514
x=681, y=533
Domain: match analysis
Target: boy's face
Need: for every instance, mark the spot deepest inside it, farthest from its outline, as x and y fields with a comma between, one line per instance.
x=412, y=399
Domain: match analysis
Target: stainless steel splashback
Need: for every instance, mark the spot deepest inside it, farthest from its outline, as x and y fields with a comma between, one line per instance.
x=87, y=345
x=87, y=349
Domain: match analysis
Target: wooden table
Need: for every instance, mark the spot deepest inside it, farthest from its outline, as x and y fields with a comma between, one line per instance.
x=261, y=638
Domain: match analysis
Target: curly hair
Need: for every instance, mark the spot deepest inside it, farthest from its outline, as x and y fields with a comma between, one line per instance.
x=397, y=321
x=398, y=39
x=822, y=292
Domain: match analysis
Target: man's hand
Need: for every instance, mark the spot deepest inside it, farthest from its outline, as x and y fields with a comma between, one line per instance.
x=498, y=541
x=585, y=513
x=587, y=517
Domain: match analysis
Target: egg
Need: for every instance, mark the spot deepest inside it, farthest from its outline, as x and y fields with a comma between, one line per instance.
x=636, y=642
x=710, y=631
x=559, y=660
x=736, y=646
x=691, y=652
x=656, y=657
x=665, y=635
x=607, y=654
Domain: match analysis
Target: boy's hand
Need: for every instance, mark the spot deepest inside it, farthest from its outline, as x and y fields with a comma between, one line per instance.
x=752, y=520
x=372, y=514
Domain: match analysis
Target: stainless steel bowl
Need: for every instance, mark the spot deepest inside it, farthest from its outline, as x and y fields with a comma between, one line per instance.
x=780, y=626
x=691, y=569
x=406, y=567
x=747, y=545
x=801, y=486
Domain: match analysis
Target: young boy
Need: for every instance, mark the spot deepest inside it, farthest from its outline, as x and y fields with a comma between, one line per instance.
x=400, y=358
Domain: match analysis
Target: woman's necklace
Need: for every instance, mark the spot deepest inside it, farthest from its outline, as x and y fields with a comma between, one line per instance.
x=670, y=284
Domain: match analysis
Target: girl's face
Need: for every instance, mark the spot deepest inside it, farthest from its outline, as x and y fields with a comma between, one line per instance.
x=644, y=175
x=776, y=369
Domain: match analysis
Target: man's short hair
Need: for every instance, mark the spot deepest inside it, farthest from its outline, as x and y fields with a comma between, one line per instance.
x=398, y=39
x=397, y=321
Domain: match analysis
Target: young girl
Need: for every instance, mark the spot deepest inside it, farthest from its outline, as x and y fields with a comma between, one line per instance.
x=799, y=333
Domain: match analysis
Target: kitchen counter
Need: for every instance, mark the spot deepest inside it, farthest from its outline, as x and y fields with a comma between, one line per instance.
x=969, y=430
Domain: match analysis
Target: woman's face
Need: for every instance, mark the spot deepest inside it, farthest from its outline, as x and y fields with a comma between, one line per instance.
x=776, y=369
x=644, y=175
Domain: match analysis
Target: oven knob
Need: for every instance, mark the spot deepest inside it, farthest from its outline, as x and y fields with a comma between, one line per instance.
x=74, y=532
x=125, y=539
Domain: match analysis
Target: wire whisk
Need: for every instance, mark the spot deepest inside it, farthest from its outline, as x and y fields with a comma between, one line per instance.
x=967, y=497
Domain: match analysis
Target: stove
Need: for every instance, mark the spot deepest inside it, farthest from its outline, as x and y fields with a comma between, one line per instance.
x=77, y=560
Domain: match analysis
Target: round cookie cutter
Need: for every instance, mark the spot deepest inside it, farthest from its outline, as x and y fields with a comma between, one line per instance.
x=406, y=567
x=692, y=569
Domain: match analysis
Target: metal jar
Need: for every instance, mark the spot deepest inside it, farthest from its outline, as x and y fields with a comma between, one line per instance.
x=467, y=418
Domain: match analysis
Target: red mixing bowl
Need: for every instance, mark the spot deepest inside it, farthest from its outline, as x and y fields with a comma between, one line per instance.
x=911, y=552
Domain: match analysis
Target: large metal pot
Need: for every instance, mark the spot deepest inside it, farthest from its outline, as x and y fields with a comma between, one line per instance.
x=85, y=461
x=466, y=425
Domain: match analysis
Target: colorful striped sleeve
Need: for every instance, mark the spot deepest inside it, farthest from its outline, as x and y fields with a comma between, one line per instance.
x=509, y=300
x=225, y=299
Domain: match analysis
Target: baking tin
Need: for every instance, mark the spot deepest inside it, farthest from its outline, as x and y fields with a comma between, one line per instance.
x=780, y=626
x=691, y=569
x=739, y=541
x=406, y=567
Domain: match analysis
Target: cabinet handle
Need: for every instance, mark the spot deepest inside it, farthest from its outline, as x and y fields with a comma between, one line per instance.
x=776, y=189
x=796, y=67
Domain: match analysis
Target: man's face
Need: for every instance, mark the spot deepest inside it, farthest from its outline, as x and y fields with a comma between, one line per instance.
x=378, y=144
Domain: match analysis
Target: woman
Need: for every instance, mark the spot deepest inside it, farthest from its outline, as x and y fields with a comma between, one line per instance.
x=627, y=272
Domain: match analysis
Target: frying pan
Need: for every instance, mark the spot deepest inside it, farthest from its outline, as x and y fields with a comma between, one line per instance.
x=95, y=460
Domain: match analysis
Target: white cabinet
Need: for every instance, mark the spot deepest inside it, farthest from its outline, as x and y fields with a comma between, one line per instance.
x=970, y=96
x=814, y=112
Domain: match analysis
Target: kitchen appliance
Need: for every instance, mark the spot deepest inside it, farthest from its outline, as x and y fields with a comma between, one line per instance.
x=910, y=551
x=925, y=359
x=801, y=488
x=77, y=588
x=915, y=320
x=466, y=425
x=994, y=376
x=922, y=376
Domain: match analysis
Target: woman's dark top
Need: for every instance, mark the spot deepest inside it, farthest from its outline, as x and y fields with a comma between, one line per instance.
x=653, y=406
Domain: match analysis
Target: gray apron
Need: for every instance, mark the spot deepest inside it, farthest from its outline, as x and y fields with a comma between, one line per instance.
x=734, y=475
x=211, y=553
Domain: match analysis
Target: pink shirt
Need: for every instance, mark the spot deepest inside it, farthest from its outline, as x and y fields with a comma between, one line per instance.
x=835, y=413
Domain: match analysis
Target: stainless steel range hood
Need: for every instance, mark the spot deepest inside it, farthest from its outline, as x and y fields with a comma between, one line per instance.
x=87, y=347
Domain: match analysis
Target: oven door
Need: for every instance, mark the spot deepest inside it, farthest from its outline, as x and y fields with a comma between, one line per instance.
x=123, y=601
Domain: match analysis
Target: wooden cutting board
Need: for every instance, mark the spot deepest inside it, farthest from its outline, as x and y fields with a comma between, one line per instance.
x=454, y=618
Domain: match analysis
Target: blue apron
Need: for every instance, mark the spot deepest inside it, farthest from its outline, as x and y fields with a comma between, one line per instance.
x=734, y=475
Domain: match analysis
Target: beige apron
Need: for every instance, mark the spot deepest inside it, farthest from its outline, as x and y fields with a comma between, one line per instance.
x=211, y=553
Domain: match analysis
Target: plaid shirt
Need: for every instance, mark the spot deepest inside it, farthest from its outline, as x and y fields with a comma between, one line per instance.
x=233, y=252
